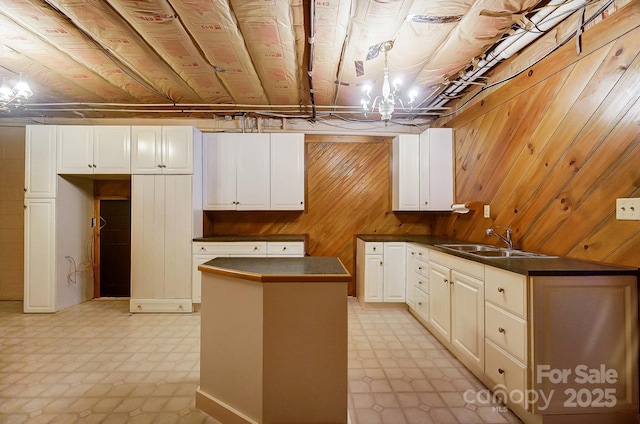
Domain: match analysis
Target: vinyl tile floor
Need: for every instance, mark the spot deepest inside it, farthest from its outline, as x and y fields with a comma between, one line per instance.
x=97, y=363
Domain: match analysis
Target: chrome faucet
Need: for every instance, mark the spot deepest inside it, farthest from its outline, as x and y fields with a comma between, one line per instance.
x=506, y=238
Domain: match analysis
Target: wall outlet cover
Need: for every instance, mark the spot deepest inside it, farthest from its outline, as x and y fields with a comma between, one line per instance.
x=487, y=211
x=628, y=209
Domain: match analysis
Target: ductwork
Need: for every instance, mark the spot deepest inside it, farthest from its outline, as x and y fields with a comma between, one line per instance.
x=542, y=22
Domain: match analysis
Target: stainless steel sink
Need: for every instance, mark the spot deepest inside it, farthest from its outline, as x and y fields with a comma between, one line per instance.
x=491, y=252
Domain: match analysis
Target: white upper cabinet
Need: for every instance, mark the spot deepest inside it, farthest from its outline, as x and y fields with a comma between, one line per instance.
x=436, y=169
x=162, y=150
x=422, y=171
x=287, y=171
x=253, y=171
x=84, y=149
x=405, y=170
x=40, y=161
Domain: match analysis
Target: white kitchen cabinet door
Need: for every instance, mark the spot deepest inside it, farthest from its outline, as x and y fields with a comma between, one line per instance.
x=146, y=150
x=177, y=150
x=395, y=272
x=39, y=255
x=111, y=149
x=467, y=318
x=161, y=234
x=440, y=299
x=219, y=171
x=196, y=275
x=253, y=172
x=287, y=171
x=405, y=172
x=40, y=161
x=75, y=149
x=436, y=169
x=374, y=278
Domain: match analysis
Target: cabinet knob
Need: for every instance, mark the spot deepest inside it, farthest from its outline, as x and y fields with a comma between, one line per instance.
x=380, y=263
x=420, y=282
x=501, y=330
x=374, y=248
x=89, y=165
x=284, y=248
x=500, y=290
x=419, y=303
x=301, y=203
x=95, y=166
x=419, y=253
x=24, y=206
x=255, y=248
x=446, y=281
x=419, y=268
x=426, y=203
x=413, y=253
x=500, y=371
x=25, y=190
x=203, y=248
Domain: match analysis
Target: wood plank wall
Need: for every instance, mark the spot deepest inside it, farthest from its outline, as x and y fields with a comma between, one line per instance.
x=348, y=193
x=552, y=149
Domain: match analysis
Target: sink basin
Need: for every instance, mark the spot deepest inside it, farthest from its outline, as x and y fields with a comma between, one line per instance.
x=491, y=252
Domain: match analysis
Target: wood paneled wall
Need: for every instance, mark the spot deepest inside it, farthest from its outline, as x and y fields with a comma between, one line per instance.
x=552, y=149
x=348, y=192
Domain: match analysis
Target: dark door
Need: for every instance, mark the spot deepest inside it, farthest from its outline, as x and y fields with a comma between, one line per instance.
x=115, y=248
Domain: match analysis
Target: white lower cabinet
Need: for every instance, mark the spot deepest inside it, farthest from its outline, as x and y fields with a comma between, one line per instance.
x=381, y=271
x=161, y=207
x=456, y=306
x=39, y=255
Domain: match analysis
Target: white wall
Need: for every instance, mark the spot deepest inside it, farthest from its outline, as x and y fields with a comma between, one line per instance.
x=74, y=210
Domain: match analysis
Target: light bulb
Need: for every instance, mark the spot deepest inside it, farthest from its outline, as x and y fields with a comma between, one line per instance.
x=6, y=93
x=22, y=90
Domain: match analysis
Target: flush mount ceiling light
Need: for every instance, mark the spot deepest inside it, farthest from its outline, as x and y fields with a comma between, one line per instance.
x=14, y=97
x=390, y=96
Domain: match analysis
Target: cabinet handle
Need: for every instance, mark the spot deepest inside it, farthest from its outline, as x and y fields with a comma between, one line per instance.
x=89, y=165
x=446, y=281
x=419, y=268
x=500, y=290
x=25, y=190
x=419, y=253
x=284, y=248
x=95, y=166
x=500, y=371
x=420, y=282
x=380, y=263
x=255, y=248
x=301, y=203
x=426, y=203
x=413, y=253
x=374, y=248
x=202, y=248
x=501, y=330
x=419, y=303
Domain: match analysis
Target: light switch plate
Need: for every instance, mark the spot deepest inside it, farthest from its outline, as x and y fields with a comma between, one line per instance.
x=628, y=209
x=487, y=211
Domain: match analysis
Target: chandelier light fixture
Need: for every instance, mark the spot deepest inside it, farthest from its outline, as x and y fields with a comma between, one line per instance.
x=14, y=97
x=386, y=102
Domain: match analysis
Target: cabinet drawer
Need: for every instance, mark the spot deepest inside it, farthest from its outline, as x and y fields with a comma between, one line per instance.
x=231, y=248
x=421, y=269
x=293, y=248
x=506, y=330
x=420, y=253
x=422, y=283
x=506, y=289
x=507, y=374
x=465, y=266
x=373, y=248
x=421, y=303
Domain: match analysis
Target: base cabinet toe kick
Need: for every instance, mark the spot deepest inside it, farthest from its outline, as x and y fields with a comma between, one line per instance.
x=555, y=349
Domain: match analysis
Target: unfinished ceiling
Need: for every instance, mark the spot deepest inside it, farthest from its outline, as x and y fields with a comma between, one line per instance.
x=200, y=58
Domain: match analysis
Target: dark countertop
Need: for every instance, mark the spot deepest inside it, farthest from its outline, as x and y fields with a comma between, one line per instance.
x=526, y=266
x=279, y=270
x=257, y=237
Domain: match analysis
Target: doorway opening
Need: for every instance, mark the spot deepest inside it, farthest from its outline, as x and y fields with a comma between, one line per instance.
x=112, y=247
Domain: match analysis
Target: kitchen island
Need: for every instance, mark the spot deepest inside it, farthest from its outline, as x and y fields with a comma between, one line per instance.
x=273, y=345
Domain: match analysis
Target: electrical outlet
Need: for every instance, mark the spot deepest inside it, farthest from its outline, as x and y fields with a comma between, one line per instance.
x=487, y=211
x=93, y=222
x=628, y=209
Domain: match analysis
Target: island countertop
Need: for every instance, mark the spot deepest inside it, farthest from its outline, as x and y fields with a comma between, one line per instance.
x=299, y=269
